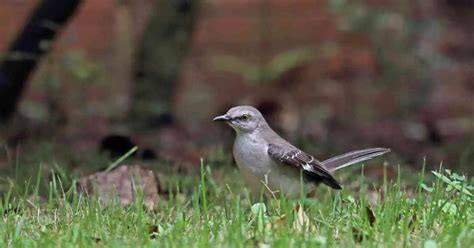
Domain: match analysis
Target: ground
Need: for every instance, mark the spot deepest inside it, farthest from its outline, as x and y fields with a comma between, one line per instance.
x=211, y=208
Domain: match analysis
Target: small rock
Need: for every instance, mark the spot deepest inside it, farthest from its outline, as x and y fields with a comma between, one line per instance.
x=118, y=183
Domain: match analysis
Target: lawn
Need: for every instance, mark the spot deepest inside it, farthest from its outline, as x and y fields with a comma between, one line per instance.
x=210, y=208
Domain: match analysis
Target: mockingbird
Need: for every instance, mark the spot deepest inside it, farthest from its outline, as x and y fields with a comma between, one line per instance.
x=270, y=163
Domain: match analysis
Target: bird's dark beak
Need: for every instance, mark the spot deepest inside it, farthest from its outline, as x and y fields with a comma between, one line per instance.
x=222, y=118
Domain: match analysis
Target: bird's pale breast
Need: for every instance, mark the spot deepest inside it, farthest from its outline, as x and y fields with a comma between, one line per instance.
x=257, y=168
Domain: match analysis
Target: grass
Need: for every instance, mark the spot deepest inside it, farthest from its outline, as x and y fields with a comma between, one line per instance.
x=203, y=211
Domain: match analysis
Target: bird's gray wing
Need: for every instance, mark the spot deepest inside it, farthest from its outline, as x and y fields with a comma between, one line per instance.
x=312, y=168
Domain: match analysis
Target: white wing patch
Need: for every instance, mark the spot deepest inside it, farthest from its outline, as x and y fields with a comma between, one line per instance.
x=307, y=163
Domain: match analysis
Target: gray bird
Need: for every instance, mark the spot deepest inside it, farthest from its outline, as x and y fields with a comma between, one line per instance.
x=270, y=163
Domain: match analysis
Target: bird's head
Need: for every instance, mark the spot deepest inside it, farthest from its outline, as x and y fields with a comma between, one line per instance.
x=244, y=119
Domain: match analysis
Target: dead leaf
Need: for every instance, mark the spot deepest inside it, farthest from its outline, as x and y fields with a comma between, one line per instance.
x=301, y=220
x=280, y=221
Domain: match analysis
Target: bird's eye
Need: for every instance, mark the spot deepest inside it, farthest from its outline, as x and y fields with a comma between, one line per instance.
x=244, y=117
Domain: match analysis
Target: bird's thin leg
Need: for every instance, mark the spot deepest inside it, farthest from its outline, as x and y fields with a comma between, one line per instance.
x=265, y=183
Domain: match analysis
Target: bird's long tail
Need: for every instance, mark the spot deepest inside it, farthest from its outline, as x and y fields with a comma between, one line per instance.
x=350, y=158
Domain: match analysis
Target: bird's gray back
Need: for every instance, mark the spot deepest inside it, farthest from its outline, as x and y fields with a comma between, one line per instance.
x=271, y=137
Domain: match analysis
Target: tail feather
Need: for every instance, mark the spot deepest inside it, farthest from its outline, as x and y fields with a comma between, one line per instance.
x=350, y=158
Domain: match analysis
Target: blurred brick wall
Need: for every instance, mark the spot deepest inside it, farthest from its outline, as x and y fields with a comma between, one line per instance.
x=239, y=25
x=227, y=26
x=252, y=30
x=12, y=15
x=91, y=30
x=257, y=32
x=103, y=33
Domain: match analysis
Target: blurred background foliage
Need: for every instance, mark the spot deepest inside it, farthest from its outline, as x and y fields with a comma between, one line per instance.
x=330, y=75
